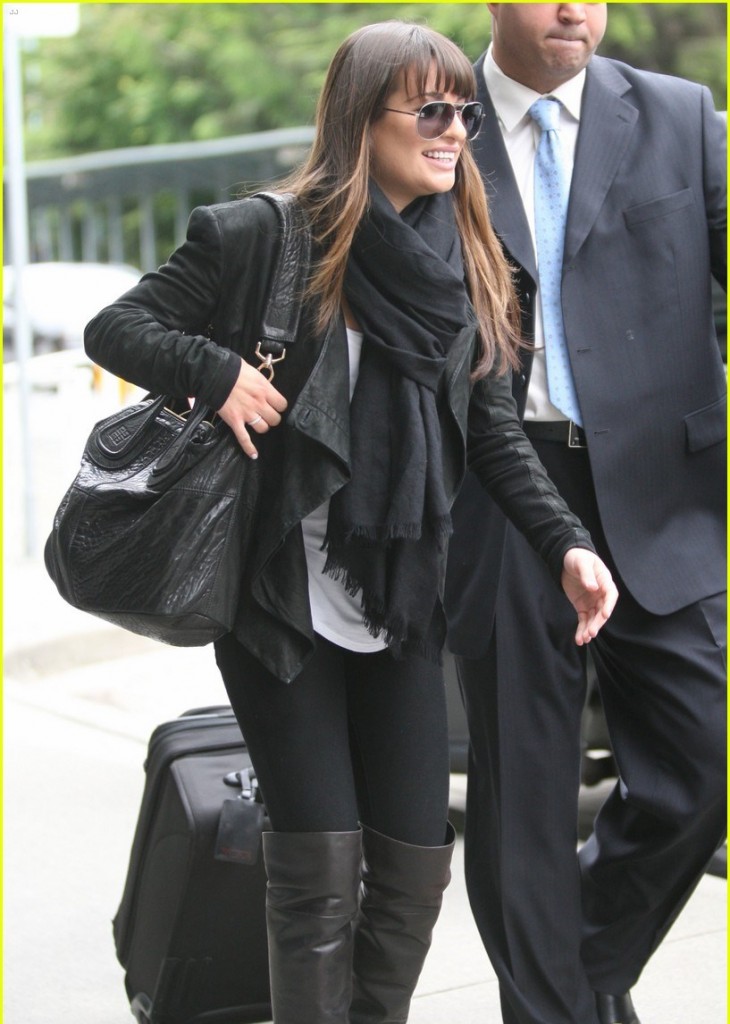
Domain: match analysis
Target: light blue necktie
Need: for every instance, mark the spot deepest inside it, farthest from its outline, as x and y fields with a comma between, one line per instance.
x=551, y=210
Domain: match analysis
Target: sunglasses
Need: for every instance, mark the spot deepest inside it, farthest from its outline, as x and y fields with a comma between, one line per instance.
x=435, y=118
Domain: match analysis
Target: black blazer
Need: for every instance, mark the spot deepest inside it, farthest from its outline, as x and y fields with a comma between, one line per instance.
x=646, y=230
x=178, y=331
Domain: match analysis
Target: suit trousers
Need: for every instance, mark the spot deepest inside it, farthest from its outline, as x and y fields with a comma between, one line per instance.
x=556, y=924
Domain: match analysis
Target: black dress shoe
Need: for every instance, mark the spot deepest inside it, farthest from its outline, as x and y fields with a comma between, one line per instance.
x=616, y=1009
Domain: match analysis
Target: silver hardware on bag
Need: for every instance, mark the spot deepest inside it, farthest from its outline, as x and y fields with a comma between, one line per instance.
x=267, y=361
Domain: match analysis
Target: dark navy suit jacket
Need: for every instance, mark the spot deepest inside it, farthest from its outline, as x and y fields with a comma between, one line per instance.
x=646, y=230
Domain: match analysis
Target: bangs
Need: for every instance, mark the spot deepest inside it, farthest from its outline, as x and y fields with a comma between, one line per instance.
x=427, y=53
x=382, y=56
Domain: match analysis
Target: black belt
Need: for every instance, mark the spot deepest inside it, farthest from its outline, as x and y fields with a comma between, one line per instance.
x=564, y=431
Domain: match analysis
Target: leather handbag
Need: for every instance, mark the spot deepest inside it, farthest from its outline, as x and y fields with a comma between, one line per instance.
x=153, y=532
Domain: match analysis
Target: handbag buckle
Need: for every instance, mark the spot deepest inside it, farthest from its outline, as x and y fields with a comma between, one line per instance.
x=267, y=361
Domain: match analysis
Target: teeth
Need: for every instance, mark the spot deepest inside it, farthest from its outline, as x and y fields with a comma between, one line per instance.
x=438, y=155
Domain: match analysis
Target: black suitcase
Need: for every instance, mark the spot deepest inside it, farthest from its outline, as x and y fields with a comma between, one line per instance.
x=190, y=930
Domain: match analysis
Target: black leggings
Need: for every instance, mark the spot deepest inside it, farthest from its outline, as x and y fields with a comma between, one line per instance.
x=354, y=738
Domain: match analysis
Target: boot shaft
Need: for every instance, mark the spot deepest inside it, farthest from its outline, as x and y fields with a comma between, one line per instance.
x=402, y=893
x=311, y=905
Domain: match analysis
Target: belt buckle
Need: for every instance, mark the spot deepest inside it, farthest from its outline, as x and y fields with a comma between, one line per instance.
x=576, y=436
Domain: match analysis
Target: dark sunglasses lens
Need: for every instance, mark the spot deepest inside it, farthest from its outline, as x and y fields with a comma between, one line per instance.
x=471, y=116
x=434, y=119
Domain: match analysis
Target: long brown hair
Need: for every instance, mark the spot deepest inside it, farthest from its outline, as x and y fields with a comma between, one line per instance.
x=333, y=182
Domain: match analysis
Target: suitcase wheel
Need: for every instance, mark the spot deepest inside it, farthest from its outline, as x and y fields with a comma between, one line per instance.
x=141, y=1008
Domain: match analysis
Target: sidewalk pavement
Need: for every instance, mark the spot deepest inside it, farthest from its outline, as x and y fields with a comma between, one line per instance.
x=81, y=699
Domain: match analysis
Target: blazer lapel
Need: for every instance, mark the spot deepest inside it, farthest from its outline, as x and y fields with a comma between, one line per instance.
x=505, y=203
x=606, y=126
x=322, y=408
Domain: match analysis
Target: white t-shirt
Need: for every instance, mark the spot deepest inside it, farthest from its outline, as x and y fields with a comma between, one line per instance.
x=336, y=615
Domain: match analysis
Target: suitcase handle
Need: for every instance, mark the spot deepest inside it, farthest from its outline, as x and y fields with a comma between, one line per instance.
x=246, y=781
x=211, y=709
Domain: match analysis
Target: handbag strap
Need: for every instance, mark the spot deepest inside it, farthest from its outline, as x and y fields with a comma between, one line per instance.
x=284, y=303
x=283, y=308
x=118, y=437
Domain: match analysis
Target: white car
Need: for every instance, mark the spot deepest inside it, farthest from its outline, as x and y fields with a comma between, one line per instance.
x=61, y=298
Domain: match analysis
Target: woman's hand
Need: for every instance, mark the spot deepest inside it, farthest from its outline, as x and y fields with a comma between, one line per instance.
x=590, y=588
x=253, y=404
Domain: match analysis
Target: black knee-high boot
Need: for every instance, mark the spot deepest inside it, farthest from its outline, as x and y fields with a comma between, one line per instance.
x=402, y=890
x=311, y=903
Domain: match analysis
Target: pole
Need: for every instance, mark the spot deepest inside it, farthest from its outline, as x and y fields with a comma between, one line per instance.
x=18, y=205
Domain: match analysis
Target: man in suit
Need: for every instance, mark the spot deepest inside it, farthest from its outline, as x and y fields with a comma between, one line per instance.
x=640, y=457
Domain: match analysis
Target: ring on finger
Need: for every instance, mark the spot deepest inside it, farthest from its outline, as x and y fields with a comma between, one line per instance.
x=257, y=419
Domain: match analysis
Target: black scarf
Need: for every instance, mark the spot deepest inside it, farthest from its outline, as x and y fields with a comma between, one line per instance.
x=388, y=527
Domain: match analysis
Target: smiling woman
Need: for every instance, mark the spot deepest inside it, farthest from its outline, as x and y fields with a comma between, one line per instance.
x=407, y=166
x=397, y=377
x=392, y=65
x=403, y=165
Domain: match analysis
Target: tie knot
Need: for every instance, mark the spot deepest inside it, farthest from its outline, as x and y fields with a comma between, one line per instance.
x=546, y=111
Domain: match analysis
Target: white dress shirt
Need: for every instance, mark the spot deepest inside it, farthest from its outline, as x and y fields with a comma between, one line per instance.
x=521, y=134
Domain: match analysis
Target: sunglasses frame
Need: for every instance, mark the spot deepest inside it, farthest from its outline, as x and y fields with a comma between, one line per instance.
x=457, y=108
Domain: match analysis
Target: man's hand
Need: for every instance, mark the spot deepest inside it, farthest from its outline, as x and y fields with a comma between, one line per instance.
x=590, y=589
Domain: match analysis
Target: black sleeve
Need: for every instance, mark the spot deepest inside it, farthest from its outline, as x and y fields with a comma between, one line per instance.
x=155, y=334
x=506, y=464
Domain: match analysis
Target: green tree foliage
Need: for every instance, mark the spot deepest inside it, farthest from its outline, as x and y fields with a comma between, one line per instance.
x=137, y=73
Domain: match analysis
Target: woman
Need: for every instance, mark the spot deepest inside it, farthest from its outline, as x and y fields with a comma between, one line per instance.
x=397, y=378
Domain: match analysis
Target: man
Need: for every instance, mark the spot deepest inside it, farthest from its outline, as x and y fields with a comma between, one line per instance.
x=635, y=443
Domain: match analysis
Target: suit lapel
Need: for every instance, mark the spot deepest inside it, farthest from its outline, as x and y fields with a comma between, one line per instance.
x=606, y=125
x=505, y=203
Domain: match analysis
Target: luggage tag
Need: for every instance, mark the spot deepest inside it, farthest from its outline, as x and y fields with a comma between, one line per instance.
x=241, y=821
